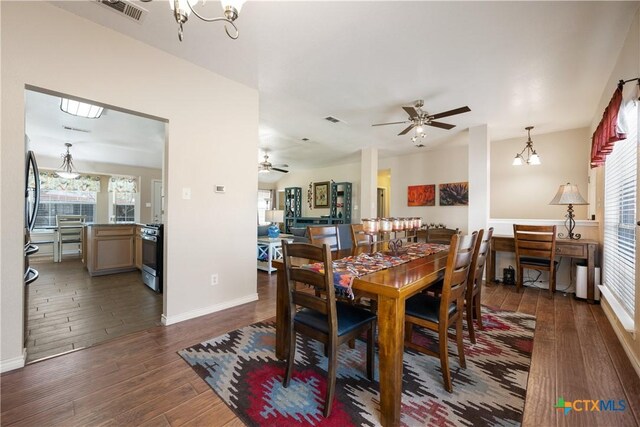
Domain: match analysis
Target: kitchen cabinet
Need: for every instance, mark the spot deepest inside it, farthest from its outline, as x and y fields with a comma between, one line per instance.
x=138, y=248
x=110, y=248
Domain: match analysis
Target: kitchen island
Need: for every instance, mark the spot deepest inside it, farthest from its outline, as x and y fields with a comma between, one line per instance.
x=111, y=248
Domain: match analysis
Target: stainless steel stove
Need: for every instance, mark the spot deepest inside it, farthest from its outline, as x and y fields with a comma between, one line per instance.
x=152, y=255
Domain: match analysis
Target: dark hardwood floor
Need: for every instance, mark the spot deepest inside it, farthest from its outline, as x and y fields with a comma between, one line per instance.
x=67, y=309
x=139, y=379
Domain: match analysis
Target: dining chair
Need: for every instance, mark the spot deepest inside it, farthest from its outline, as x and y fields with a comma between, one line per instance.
x=473, y=297
x=440, y=235
x=439, y=313
x=324, y=234
x=536, y=250
x=358, y=236
x=321, y=317
x=69, y=231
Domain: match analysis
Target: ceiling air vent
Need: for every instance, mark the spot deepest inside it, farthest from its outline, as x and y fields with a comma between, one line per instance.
x=332, y=119
x=76, y=129
x=125, y=8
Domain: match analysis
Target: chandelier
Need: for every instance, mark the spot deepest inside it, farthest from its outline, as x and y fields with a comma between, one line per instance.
x=183, y=8
x=66, y=169
x=532, y=157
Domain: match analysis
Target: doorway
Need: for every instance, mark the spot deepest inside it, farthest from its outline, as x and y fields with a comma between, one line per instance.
x=72, y=306
x=382, y=211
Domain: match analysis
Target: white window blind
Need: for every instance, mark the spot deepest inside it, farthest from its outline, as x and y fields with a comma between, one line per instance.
x=620, y=214
x=264, y=204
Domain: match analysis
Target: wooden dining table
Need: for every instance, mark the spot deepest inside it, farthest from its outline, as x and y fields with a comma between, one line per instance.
x=392, y=287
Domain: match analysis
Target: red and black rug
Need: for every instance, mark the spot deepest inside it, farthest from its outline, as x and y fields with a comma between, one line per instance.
x=242, y=369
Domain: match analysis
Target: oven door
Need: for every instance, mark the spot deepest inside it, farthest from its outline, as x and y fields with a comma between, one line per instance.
x=150, y=254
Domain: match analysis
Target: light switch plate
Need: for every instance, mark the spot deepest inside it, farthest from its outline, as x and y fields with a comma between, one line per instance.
x=148, y=204
x=219, y=188
x=186, y=193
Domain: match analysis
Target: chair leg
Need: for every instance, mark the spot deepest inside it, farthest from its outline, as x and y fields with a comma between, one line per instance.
x=520, y=277
x=331, y=379
x=552, y=283
x=444, y=357
x=469, y=310
x=371, y=349
x=463, y=363
x=291, y=357
x=478, y=308
x=352, y=343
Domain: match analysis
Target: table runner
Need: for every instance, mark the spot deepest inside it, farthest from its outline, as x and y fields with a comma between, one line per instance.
x=348, y=268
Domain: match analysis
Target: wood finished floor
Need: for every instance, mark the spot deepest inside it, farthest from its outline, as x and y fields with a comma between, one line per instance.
x=139, y=379
x=67, y=309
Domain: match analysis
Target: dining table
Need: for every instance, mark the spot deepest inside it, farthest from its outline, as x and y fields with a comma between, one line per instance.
x=391, y=287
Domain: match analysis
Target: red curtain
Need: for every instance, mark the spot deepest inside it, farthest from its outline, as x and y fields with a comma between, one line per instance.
x=606, y=133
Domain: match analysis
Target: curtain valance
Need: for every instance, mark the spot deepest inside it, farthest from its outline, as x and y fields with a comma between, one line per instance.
x=51, y=181
x=123, y=184
x=608, y=131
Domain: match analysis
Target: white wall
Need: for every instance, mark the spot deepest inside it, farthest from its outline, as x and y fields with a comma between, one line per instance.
x=212, y=139
x=445, y=165
x=342, y=173
x=525, y=191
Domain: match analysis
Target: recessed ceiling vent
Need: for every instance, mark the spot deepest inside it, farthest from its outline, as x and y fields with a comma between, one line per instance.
x=76, y=129
x=125, y=8
x=333, y=119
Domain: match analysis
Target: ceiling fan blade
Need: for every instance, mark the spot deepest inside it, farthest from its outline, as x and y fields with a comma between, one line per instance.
x=440, y=125
x=281, y=165
x=413, y=113
x=279, y=170
x=407, y=129
x=450, y=112
x=391, y=123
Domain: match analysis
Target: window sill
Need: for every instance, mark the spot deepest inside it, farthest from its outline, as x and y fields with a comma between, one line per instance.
x=625, y=319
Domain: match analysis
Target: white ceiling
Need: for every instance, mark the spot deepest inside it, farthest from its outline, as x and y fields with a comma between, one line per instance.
x=114, y=137
x=513, y=63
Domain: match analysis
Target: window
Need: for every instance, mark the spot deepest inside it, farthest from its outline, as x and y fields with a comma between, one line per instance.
x=123, y=206
x=264, y=204
x=64, y=202
x=620, y=213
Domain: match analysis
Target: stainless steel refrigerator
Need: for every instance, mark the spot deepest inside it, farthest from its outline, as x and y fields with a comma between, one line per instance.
x=32, y=199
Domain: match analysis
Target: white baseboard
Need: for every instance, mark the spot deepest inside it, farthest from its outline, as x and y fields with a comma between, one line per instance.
x=613, y=320
x=170, y=320
x=14, y=363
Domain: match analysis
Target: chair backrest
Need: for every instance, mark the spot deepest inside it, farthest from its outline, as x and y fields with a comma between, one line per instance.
x=70, y=220
x=319, y=235
x=358, y=236
x=440, y=235
x=478, y=261
x=461, y=251
x=323, y=300
x=537, y=241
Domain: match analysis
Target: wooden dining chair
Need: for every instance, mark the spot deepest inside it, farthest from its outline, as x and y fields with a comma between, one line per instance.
x=324, y=234
x=440, y=235
x=321, y=316
x=473, y=297
x=536, y=250
x=358, y=237
x=440, y=313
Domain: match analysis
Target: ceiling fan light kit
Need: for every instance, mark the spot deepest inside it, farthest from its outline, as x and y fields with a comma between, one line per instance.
x=532, y=157
x=266, y=166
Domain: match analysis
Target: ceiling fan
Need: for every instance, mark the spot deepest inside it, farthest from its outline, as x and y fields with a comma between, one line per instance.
x=266, y=166
x=419, y=118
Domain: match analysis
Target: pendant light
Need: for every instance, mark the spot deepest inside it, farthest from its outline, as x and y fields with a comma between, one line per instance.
x=532, y=157
x=66, y=170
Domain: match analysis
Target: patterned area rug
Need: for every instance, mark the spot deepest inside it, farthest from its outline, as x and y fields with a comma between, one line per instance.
x=242, y=369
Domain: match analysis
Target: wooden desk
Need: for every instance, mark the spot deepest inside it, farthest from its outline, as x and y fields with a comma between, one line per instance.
x=392, y=287
x=580, y=249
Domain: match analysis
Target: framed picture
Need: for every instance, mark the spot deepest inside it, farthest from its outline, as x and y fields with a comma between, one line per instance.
x=454, y=194
x=421, y=195
x=321, y=194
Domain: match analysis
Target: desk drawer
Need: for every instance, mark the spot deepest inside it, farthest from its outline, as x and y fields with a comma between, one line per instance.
x=577, y=250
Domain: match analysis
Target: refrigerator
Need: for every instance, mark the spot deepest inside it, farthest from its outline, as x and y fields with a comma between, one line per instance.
x=32, y=199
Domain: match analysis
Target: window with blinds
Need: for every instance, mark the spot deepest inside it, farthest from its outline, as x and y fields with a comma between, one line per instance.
x=620, y=214
x=264, y=204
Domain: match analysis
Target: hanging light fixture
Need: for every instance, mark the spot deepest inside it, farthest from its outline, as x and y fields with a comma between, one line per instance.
x=532, y=157
x=183, y=8
x=419, y=132
x=66, y=170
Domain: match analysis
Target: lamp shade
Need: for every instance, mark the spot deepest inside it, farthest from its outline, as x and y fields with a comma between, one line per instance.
x=274, y=216
x=568, y=194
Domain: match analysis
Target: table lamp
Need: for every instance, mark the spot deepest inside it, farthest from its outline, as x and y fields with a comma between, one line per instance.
x=569, y=195
x=274, y=217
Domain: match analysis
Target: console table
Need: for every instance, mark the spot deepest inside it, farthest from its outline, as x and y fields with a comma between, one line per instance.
x=580, y=249
x=270, y=249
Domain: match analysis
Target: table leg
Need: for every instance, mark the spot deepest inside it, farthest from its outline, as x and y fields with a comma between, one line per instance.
x=391, y=349
x=591, y=273
x=270, y=258
x=282, y=316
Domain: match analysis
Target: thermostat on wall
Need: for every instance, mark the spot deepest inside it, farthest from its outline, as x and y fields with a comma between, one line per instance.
x=220, y=189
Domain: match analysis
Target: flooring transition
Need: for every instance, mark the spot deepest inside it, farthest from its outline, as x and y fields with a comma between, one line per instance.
x=139, y=379
x=67, y=309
